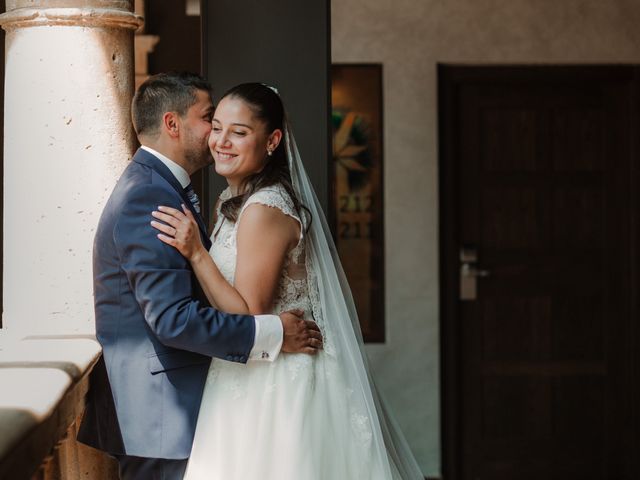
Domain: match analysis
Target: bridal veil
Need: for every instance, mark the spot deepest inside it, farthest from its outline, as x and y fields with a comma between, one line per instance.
x=335, y=312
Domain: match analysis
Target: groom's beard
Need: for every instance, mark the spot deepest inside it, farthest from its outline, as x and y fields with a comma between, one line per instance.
x=198, y=157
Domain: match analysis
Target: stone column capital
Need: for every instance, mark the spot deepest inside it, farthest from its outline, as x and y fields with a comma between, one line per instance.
x=70, y=16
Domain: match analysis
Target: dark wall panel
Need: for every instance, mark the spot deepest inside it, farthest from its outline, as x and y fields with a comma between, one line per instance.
x=179, y=46
x=284, y=43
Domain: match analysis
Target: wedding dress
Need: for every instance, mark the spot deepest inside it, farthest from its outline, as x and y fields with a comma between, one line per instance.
x=300, y=417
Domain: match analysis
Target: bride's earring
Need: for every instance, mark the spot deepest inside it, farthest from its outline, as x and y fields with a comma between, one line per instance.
x=269, y=151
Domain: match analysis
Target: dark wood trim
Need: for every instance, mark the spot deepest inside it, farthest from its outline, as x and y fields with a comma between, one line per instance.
x=2, y=52
x=514, y=74
x=449, y=328
x=635, y=267
x=204, y=34
x=201, y=178
x=330, y=208
x=380, y=267
x=449, y=79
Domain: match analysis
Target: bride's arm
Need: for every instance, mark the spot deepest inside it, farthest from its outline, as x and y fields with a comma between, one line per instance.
x=265, y=235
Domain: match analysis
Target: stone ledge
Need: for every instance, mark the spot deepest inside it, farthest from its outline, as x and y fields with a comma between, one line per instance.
x=72, y=354
x=44, y=383
x=84, y=17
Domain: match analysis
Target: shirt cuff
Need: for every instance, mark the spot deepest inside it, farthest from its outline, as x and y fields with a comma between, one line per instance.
x=268, y=340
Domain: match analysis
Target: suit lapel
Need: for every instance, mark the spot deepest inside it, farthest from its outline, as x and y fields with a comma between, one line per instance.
x=145, y=158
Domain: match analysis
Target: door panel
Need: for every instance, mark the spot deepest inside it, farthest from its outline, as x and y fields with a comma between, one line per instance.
x=539, y=170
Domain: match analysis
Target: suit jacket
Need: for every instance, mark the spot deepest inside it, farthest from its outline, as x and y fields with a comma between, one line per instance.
x=157, y=338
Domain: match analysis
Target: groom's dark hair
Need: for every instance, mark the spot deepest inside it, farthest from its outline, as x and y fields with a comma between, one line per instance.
x=165, y=92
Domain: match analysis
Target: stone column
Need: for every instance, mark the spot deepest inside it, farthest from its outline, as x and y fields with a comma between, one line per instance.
x=68, y=136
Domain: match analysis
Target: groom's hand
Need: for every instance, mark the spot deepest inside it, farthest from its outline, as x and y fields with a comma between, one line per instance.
x=300, y=335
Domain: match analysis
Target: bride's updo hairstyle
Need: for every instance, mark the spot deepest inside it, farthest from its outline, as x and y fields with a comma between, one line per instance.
x=267, y=106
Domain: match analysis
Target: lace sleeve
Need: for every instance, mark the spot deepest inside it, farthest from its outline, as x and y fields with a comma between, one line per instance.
x=275, y=197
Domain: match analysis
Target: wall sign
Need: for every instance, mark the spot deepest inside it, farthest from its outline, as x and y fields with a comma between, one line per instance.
x=357, y=193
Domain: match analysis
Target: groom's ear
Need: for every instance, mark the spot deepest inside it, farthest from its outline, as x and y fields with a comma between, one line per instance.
x=171, y=124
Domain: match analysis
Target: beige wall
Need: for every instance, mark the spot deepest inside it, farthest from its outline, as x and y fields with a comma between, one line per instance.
x=410, y=37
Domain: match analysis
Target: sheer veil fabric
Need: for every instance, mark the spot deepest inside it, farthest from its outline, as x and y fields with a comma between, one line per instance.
x=335, y=312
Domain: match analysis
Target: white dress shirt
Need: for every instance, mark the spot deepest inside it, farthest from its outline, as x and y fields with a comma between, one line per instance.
x=269, y=333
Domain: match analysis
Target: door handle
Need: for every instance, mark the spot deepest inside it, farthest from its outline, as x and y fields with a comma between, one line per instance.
x=469, y=272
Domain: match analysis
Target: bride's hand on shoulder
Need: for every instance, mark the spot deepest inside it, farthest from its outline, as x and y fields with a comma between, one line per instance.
x=180, y=230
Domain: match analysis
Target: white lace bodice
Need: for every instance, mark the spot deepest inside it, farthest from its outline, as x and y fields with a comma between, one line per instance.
x=293, y=289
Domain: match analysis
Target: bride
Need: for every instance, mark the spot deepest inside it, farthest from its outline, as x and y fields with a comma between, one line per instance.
x=300, y=417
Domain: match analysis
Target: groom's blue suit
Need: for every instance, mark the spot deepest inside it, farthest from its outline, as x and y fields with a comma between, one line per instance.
x=156, y=333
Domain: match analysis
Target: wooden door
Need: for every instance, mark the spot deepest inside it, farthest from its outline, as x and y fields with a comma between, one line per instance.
x=538, y=178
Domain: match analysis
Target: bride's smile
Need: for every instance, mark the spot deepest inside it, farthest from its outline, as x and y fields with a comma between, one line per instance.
x=225, y=156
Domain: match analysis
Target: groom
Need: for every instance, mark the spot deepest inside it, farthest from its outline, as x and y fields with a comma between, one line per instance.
x=156, y=332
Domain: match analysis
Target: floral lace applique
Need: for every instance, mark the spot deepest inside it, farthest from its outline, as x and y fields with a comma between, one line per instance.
x=362, y=428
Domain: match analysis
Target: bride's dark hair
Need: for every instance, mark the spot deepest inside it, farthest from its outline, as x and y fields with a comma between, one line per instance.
x=267, y=107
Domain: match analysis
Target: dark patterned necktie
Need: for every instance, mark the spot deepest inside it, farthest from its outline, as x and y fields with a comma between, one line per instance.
x=193, y=197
